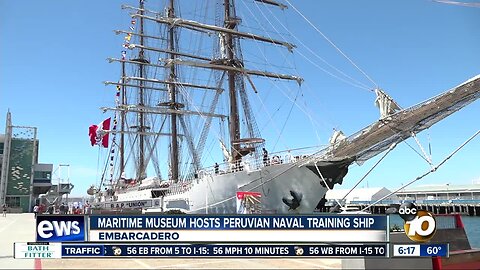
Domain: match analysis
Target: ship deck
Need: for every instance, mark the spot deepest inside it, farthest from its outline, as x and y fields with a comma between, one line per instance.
x=21, y=228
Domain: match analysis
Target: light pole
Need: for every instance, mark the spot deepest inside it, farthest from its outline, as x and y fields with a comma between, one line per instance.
x=60, y=178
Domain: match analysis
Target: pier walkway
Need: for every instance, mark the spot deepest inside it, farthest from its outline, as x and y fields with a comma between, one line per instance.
x=16, y=228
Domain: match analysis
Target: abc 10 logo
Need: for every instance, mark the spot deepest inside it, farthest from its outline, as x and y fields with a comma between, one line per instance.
x=420, y=225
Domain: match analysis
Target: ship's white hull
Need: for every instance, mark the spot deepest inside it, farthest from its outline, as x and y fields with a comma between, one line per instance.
x=218, y=191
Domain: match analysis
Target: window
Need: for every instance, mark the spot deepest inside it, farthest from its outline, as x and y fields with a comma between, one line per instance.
x=182, y=204
x=42, y=175
x=1, y=148
x=12, y=202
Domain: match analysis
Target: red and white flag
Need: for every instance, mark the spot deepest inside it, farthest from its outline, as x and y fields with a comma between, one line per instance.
x=98, y=133
x=246, y=201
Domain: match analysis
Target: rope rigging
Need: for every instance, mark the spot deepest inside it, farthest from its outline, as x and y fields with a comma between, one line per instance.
x=331, y=43
x=251, y=127
x=434, y=169
x=309, y=115
x=352, y=81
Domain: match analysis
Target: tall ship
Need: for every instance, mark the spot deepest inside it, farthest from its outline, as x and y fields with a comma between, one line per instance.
x=182, y=133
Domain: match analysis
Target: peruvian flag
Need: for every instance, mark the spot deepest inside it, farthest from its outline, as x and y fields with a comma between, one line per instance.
x=245, y=201
x=98, y=134
x=242, y=194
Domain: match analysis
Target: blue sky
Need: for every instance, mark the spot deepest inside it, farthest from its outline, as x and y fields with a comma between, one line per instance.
x=52, y=64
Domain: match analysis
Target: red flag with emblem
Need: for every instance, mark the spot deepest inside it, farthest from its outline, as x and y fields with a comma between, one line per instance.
x=98, y=133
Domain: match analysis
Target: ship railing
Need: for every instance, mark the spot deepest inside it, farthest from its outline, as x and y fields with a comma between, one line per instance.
x=250, y=164
x=370, y=202
x=452, y=201
x=179, y=187
x=247, y=164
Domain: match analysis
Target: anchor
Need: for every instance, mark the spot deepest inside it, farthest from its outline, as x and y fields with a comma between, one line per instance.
x=295, y=202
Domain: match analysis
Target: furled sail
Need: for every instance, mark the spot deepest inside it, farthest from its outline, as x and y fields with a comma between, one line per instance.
x=337, y=137
x=399, y=126
x=226, y=153
x=385, y=103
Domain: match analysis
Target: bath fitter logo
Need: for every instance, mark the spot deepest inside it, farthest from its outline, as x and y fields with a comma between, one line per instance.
x=420, y=225
x=42, y=250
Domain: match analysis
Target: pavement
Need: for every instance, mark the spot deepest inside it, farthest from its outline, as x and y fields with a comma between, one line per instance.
x=21, y=228
x=16, y=228
x=192, y=264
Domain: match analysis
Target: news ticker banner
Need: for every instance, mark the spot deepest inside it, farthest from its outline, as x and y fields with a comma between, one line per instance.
x=45, y=250
x=213, y=228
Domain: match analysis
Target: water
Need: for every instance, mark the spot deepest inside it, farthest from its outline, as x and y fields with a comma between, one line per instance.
x=471, y=224
x=472, y=227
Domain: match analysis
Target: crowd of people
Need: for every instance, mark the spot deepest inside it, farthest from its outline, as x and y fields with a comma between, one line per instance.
x=62, y=209
x=246, y=164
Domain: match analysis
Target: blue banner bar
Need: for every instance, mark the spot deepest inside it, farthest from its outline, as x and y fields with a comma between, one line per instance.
x=239, y=222
x=222, y=250
x=90, y=250
x=434, y=250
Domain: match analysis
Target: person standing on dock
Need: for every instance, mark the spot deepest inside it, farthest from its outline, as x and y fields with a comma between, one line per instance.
x=5, y=207
x=51, y=209
x=86, y=208
x=36, y=209
x=62, y=209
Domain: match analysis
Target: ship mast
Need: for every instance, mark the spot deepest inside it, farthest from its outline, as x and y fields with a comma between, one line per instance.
x=122, y=120
x=141, y=99
x=231, y=65
x=173, y=97
x=234, y=126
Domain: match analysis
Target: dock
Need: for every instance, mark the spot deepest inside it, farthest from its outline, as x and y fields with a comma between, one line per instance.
x=437, y=208
x=16, y=228
x=438, y=199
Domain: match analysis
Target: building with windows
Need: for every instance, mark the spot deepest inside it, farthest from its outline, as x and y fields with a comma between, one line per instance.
x=445, y=193
x=427, y=194
x=22, y=178
x=361, y=196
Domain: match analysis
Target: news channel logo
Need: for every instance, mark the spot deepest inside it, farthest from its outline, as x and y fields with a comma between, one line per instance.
x=53, y=228
x=298, y=251
x=117, y=251
x=420, y=225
